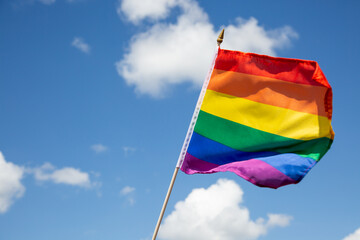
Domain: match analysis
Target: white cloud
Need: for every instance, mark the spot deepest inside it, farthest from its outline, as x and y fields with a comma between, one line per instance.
x=126, y=190
x=10, y=183
x=47, y=2
x=278, y=220
x=249, y=36
x=98, y=148
x=216, y=213
x=67, y=175
x=127, y=150
x=11, y=174
x=137, y=10
x=80, y=44
x=129, y=193
x=353, y=236
x=172, y=53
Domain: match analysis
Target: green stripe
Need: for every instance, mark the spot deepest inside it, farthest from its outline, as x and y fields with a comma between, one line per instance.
x=247, y=139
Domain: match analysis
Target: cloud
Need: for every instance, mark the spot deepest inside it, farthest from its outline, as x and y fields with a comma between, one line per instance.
x=80, y=44
x=167, y=54
x=353, y=236
x=47, y=2
x=11, y=175
x=98, y=148
x=137, y=10
x=129, y=193
x=127, y=150
x=216, y=213
x=21, y=3
x=126, y=190
x=249, y=36
x=11, y=187
x=67, y=175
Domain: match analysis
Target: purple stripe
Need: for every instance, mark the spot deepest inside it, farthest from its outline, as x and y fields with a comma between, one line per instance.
x=253, y=170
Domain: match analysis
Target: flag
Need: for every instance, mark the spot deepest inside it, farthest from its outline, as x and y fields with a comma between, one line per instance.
x=267, y=119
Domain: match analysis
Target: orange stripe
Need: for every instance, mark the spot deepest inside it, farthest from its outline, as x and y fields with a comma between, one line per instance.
x=294, y=96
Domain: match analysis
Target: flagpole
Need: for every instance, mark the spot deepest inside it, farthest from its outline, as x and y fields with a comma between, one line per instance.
x=186, y=142
x=165, y=203
x=198, y=104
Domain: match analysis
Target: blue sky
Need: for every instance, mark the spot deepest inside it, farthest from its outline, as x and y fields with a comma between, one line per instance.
x=95, y=101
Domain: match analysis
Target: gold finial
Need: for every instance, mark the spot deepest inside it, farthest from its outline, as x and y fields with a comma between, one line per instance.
x=221, y=37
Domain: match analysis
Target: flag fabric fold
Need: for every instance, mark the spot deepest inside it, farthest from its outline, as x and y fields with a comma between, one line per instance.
x=264, y=118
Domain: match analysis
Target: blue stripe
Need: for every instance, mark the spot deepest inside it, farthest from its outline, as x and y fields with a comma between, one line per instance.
x=290, y=164
x=208, y=150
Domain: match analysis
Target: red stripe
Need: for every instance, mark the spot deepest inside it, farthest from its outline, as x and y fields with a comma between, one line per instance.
x=291, y=70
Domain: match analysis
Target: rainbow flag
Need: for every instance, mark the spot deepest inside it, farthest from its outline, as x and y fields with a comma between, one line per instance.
x=264, y=118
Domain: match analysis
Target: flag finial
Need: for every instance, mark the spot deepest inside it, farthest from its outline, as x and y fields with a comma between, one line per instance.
x=221, y=37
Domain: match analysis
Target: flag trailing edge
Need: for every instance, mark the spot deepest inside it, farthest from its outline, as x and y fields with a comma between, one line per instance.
x=267, y=119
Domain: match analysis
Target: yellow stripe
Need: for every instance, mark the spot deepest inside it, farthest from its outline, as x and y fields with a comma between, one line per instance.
x=281, y=121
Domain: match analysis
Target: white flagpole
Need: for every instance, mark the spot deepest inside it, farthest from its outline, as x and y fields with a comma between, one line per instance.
x=198, y=105
x=187, y=138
